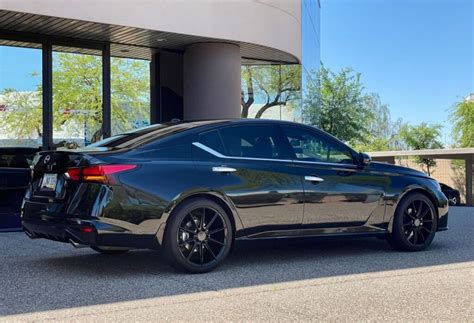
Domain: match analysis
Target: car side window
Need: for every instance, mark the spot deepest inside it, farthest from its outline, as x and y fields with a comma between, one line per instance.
x=248, y=141
x=309, y=146
x=212, y=139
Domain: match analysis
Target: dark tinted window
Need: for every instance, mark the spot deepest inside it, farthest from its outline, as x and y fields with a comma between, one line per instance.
x=254, y=141
x=212, y=139
x=16, y=160
x=310, y=146
x=144, y=135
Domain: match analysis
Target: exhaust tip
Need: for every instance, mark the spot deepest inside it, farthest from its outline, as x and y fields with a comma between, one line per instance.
x=30, y=234
x=77, y=245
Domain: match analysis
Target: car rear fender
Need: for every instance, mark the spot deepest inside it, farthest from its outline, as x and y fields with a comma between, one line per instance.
x=216, y=196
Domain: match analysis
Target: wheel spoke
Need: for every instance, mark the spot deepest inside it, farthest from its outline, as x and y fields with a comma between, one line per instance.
x=187, y=230
x=425, y=212
x=203, y=218
x=215, y=231
x=193, y=220
x=193, y=250
x=212, y=221
x=215, y=241
x=210, y=250
x=201, y=252
x=415, y=236
x=419, y=209
x=405, y=224
x=426, y=229
x=410, y=235
x=420, y=233
x=186, y=242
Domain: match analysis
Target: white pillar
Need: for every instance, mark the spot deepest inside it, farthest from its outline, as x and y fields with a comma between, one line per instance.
x=212, y=81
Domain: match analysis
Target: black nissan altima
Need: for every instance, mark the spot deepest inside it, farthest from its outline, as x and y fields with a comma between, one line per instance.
x=193, y=188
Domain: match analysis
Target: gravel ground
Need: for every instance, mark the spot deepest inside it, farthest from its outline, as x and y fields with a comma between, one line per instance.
x=312, y=279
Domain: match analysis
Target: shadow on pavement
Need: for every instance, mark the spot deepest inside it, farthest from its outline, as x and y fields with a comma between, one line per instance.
x=39, y=278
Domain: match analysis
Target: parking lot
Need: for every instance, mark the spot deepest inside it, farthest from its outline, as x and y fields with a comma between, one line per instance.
x=283, y=280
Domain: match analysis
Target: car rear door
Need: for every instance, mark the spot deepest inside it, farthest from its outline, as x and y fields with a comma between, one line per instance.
x=338, y=193
x=247, y=163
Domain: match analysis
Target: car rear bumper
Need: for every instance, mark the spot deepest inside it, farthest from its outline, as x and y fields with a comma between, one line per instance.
x=85, y=232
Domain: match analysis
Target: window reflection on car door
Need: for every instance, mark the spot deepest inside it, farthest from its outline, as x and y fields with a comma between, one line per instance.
x=338, y=192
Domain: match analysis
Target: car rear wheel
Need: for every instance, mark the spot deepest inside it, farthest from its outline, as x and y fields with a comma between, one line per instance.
x=111, y=251
x=415, y=223
x=198, y=236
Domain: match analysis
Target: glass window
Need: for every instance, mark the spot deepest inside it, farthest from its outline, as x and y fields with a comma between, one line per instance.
x=130, y=94
x=255, y=141
x=309, y=146
x=77, y=96
x=21, y=113
x=212, y=139
x=17, y=157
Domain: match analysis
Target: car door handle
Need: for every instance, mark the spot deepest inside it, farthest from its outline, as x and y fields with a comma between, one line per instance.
x=223, y=169
x=313, y=179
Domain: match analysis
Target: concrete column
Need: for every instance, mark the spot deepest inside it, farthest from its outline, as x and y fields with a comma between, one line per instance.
x=212, y=81
x=469, y=181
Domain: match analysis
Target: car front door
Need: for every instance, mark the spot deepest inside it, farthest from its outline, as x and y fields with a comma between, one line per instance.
x=338, y=192
x=248, y=164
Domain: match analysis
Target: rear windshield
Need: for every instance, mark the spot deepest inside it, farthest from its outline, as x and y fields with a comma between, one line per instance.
x=146, y=134
x=18, y=159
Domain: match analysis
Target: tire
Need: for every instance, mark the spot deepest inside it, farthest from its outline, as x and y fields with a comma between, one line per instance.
x=194, y=245
x=110, y=252
x=411, y=231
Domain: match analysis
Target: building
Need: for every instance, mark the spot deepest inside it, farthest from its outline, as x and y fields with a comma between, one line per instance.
x=192, y=53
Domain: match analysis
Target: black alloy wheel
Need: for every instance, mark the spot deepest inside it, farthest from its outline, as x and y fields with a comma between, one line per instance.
x=452, y=199
x=415, y=223
x=198, y=237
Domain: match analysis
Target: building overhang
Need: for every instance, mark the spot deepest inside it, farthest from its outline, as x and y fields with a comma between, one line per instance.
x=24, y=29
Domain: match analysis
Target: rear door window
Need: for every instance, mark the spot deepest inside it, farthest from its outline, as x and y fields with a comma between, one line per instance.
x=253, y=141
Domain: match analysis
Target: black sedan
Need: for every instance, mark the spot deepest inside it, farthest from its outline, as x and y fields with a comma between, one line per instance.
x=15, y=175
x=452, y=194
x=193, y=188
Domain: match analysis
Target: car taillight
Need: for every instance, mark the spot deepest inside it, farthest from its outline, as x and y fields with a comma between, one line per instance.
x=97, y=174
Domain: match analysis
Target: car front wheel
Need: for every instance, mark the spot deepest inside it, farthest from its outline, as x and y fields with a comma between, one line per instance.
x=414, y=224
x=198, y=236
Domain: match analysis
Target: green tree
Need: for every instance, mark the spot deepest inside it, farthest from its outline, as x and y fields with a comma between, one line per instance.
x=335, y=103
x=23, y=115
x=422, y=136
x=383, y=133
x=77, y=97
x=273, y=85
x=462, y=116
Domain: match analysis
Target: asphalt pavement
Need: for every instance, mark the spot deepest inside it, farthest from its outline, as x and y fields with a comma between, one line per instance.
x=312, y=279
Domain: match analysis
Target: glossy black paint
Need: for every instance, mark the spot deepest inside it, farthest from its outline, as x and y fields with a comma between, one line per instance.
x=264, y=197
x=452, y=194
x=15, y=174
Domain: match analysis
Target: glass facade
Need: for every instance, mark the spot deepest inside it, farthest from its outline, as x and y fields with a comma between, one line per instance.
x=278, y=91
x=130, y=94
x=310, y=49
x=77, y=97
x=21, y=111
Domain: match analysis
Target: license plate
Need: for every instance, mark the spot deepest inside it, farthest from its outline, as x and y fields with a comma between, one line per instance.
x=49, y=182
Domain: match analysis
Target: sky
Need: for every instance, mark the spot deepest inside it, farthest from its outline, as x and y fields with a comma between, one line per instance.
x=418, y=55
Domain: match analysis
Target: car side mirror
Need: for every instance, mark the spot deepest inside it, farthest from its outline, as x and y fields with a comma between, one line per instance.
x=365, y=159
